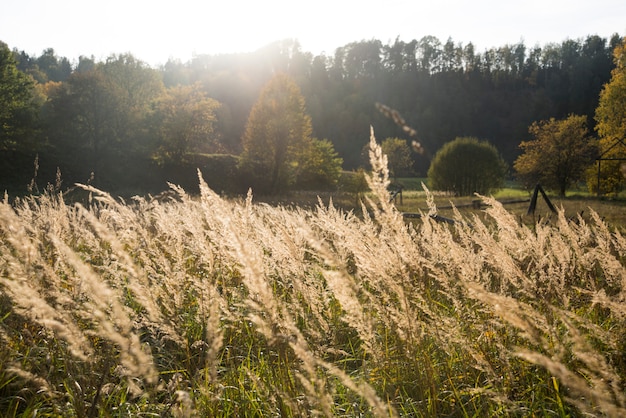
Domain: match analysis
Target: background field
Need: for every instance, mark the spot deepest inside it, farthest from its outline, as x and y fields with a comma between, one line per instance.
x=577, y=201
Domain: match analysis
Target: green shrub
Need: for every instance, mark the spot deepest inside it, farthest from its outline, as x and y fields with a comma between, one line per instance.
x=353, y=182
x=466, y=166
x=319, y=167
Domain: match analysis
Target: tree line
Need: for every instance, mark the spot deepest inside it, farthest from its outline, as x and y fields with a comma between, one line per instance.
x=120, y=118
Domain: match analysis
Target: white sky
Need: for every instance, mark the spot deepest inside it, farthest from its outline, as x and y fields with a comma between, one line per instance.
x=155, y=30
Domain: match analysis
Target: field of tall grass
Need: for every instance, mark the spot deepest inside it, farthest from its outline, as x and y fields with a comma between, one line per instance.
x=204, y=306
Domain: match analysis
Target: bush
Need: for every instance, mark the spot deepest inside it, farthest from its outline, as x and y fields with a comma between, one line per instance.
x=466, y=166
x=399, y=157
x=353, y=182
x=320, y=166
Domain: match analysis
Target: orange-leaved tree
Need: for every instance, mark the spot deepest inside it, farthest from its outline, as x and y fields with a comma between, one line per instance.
x=277, y=134
x=558, y=154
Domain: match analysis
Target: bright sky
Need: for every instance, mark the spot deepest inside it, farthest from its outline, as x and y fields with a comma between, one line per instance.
x=156, y=30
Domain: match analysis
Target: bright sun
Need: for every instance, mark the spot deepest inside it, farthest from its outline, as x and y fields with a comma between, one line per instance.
x=191, y=28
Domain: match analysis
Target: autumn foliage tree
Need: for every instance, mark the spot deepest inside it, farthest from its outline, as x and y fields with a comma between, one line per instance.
x=184, y=120
x=558, y=154
x=611, y=127
x=277, y=135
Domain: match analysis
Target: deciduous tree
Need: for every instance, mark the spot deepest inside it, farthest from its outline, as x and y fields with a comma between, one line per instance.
x=81, y=115
x=135, y=86
x=184, y=121
x=399, y=156
x=558, y=154
x=611, y=127
x=277, y=133
x=101, y=113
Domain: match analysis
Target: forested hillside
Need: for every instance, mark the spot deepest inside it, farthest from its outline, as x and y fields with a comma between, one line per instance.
x=104, y=114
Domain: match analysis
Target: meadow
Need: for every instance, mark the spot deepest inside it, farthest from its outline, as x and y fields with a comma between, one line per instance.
x=612, y=210
x=206, y=306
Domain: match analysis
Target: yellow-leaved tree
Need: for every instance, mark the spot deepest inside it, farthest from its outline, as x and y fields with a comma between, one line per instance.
x=611, y=127
x=278, y=148
x=558, y=154
x=184, y=120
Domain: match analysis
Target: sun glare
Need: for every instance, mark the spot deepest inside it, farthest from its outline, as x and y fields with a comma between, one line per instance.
x=192, y=28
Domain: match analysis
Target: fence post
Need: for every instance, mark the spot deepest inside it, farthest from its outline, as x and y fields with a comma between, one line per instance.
x=533, y=201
